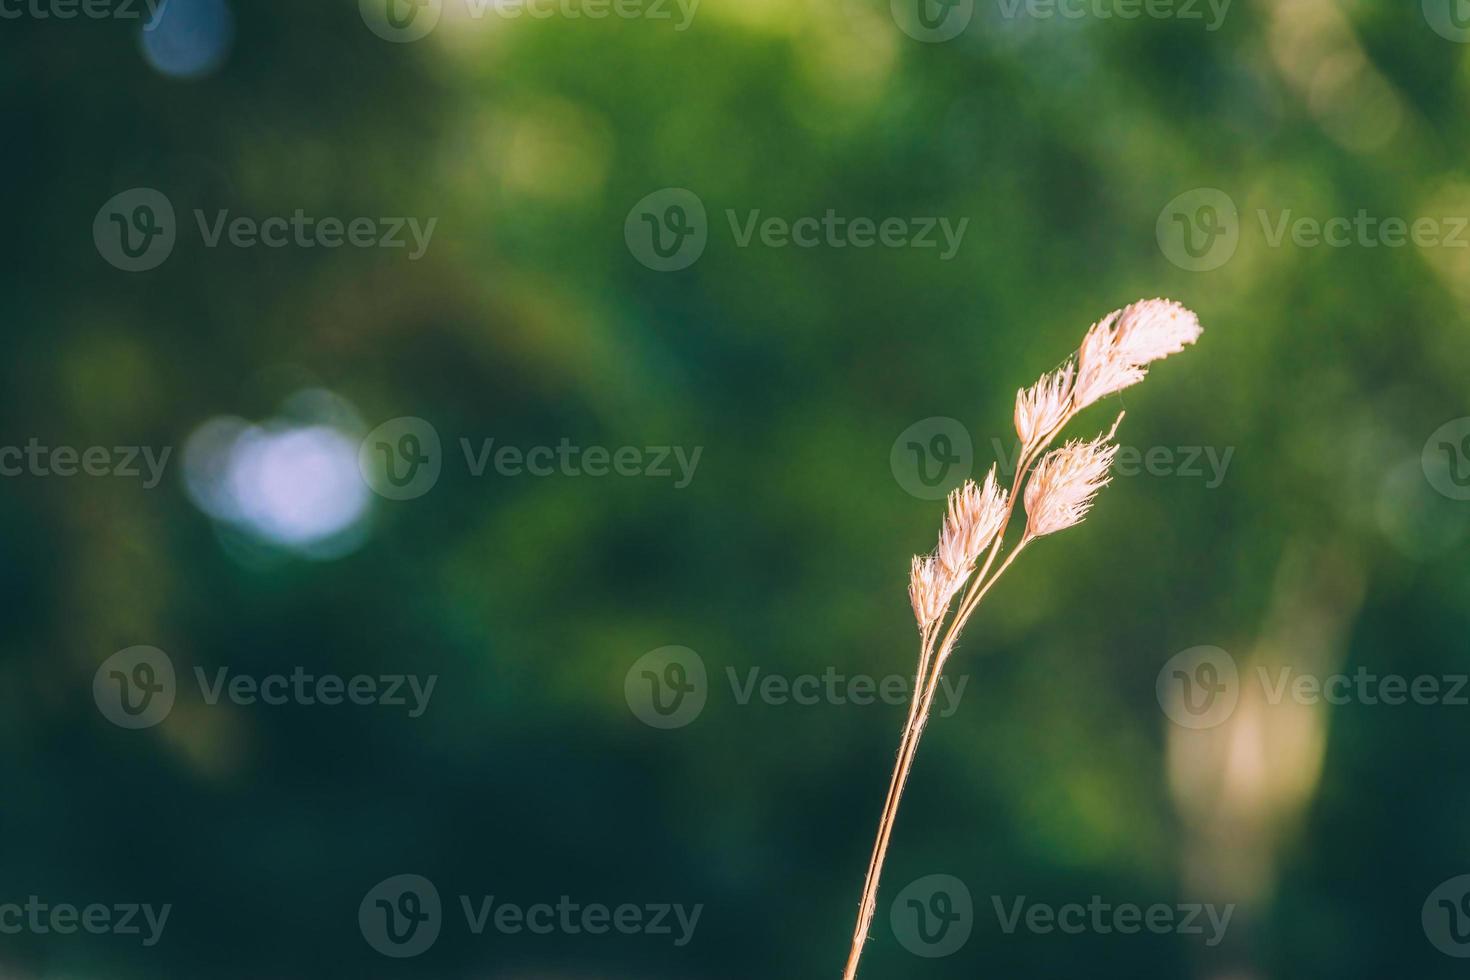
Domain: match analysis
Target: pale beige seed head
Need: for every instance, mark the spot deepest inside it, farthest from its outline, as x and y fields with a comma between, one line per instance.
x=1117, y=349
x=1040, y=408
x=1066, y=481
x=975, y=513
x=930, y=589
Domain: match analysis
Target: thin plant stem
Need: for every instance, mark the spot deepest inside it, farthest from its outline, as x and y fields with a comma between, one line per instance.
x=919, y=710
x=1114, y=355
x=908, y=747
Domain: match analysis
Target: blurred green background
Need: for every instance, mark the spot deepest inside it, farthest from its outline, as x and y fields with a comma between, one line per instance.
x=531, y=320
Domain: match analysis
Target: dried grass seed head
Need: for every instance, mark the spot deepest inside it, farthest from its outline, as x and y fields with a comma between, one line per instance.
x=1117, y=349
x=1066, y=481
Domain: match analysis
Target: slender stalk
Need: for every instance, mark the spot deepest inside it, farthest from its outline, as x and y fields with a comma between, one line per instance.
x=919, y=709
x=890, y=803
x=907, y=749
x=1114, y=354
